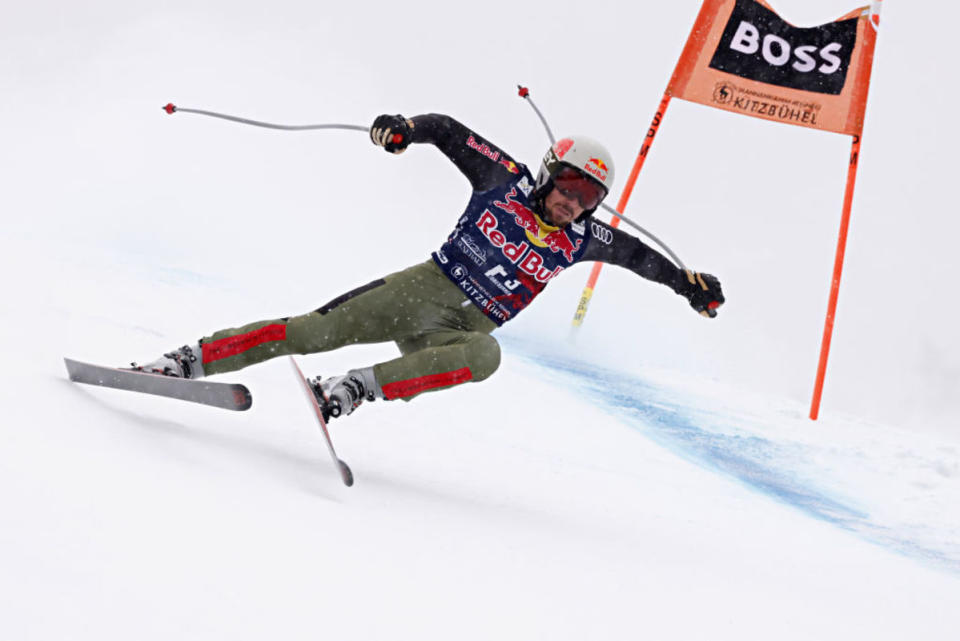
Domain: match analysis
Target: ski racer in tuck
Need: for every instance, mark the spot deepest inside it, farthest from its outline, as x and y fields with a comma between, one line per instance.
x=516, y=234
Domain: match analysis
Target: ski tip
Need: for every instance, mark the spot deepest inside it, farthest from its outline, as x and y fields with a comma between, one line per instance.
x=345, y=473
x=242, y=397
x=71, y=368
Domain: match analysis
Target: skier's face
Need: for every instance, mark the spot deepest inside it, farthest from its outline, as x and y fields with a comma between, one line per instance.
x=561, y=209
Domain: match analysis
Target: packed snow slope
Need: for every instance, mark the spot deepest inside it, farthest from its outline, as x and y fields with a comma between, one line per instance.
x=654, y=475
x=558, y=500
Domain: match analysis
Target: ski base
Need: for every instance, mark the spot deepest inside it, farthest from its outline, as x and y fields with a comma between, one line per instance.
x=346, y=475
x=229, y=396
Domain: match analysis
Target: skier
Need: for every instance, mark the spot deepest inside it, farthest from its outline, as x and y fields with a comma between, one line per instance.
x=515, y=235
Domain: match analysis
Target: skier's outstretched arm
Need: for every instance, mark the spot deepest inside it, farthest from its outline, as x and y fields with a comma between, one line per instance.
x=484, y=164
x=610, y=245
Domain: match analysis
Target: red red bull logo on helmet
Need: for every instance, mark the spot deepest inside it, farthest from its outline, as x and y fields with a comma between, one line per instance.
x=599, y=163
x=597, y=167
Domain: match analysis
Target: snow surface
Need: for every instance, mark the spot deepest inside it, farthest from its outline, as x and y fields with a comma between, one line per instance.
x=655, y=476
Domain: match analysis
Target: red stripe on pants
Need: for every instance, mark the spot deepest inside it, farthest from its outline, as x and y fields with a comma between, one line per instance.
x=233, y=345
x=422, y=384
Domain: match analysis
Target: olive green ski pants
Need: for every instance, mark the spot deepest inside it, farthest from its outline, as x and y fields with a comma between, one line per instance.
x=444, y=339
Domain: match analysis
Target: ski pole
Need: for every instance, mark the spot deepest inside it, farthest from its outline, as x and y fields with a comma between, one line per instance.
x=171, y=108
x=524, y=92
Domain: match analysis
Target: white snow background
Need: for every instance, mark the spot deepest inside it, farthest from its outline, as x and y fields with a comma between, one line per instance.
x=657, y=477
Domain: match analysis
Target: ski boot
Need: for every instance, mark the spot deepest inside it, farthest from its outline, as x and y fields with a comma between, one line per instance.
x=341, y=395
x=180, y=363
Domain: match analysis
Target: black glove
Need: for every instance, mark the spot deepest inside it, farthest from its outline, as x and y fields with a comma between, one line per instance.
x=703, y=291
x=393, y=133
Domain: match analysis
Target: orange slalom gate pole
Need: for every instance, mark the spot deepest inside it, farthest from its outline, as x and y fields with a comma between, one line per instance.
x=621, y=205
x=837, y=272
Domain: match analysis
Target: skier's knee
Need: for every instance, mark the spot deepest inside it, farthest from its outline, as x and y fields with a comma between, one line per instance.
x=483, y=356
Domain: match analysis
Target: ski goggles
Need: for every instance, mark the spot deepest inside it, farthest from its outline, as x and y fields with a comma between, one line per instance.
x=572, y=183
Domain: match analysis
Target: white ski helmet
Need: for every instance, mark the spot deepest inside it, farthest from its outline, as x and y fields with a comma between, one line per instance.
x=587, y=156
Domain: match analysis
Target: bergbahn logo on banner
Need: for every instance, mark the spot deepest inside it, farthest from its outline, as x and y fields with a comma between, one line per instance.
x=743, y=57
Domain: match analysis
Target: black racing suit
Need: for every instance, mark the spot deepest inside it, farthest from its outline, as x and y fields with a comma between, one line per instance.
x=440, y=313
x=486, y=255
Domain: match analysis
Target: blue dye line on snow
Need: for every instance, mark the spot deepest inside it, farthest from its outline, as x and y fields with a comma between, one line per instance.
x=761, y=464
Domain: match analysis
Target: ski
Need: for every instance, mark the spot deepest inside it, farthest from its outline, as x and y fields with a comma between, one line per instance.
x=230, y=396
x=345, y=474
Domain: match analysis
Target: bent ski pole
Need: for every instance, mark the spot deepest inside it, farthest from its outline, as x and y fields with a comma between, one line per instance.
x=171, y=108
x=646, y=233
x=524, y=92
